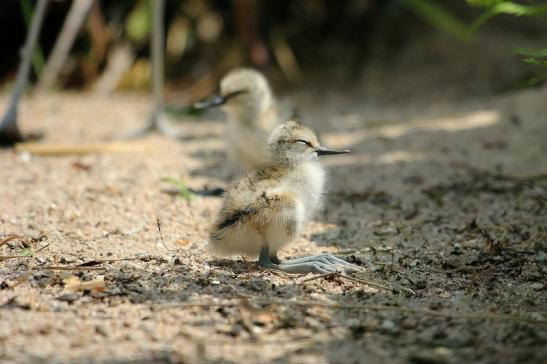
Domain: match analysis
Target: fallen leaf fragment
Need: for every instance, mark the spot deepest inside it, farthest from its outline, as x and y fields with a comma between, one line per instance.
x=75, y=284
x=183, y=243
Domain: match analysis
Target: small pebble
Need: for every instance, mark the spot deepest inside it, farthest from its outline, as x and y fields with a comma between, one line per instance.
x=68, y=297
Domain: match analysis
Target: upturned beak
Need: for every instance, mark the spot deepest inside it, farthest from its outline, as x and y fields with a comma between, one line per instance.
x=212, y=102
x=324, y=151
x=217, y=100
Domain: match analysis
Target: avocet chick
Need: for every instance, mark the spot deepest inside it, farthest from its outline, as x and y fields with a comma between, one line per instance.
x=268, y=207
x=246, y=98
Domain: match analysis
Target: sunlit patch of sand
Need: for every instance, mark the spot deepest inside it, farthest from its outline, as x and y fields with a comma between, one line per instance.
x=477, y=119
x=382, y=159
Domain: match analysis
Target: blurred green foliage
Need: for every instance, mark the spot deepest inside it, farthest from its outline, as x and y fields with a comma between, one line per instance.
x=204, y=39
x=537, y=57
x=180, y=185
x=504, y=7
x=139, y=22
x=438, y=15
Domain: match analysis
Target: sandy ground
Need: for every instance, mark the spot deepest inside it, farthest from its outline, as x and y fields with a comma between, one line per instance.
x=444, y=204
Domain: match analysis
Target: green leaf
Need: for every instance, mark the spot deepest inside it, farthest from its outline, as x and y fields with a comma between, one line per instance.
x=537, y=53
x=534, y=58
x=27, y=252
x=534, y=81
x=484, y=3
x=139, y=24
x=441, y=18
x=535, y=61
x=180, y=185
x=171, y=180
x=508, y=8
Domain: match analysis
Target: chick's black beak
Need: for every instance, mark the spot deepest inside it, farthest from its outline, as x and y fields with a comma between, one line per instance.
x=324, y=151
x=217, y=100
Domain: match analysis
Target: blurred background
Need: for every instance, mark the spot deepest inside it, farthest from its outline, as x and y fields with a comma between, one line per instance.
x=389, y=49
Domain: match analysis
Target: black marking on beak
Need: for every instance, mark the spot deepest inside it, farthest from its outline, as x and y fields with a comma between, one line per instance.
x=217, y=100
x=212, y=102
x=324, y=151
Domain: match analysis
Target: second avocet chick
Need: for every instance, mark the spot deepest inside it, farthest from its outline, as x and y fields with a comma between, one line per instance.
x=268, y=208
x=247, y=99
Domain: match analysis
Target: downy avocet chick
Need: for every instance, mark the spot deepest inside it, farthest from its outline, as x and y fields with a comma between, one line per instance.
x=268, y=207
x=247, y=99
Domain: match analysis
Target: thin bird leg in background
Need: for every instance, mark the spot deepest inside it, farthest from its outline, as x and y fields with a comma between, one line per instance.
x=157, y=62
x=9, y=132
x=305, y=266
x=156, y=121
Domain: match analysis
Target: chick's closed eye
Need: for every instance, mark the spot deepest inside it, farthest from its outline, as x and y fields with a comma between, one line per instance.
x=304, y=142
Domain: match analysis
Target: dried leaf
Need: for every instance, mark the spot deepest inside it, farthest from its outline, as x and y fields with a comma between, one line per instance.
x=184, y=243
x=81, y=166
x=75, y=284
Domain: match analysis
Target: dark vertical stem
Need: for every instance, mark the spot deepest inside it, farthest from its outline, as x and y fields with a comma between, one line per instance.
x=158, y=7
x=9, y=131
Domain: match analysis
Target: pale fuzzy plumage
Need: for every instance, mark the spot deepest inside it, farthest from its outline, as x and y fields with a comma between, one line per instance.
x=270, y=206
x=252, y=116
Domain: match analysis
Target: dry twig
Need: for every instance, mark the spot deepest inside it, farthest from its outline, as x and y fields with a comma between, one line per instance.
x=8, y=257
x=59, y=149
x=358, y=280
x=318, y=276
x=95, y=262
x=53, y=267
x=10, y=238
x=161, y=236
x=353, y=306
x=362, y=281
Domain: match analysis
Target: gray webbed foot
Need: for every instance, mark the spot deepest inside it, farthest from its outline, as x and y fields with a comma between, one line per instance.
x=329, y=260
x=322, y=263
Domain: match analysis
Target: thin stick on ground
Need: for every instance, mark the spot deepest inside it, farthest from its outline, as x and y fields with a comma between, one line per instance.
x=94, y=262
x=161, y=236
x=10, y=238
x=42, y=248
x=319, y=276
x=64, y=149
x=362, y=281
x=354, y=279
x=353, y=306
x=52, y=267
x=8, y=257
